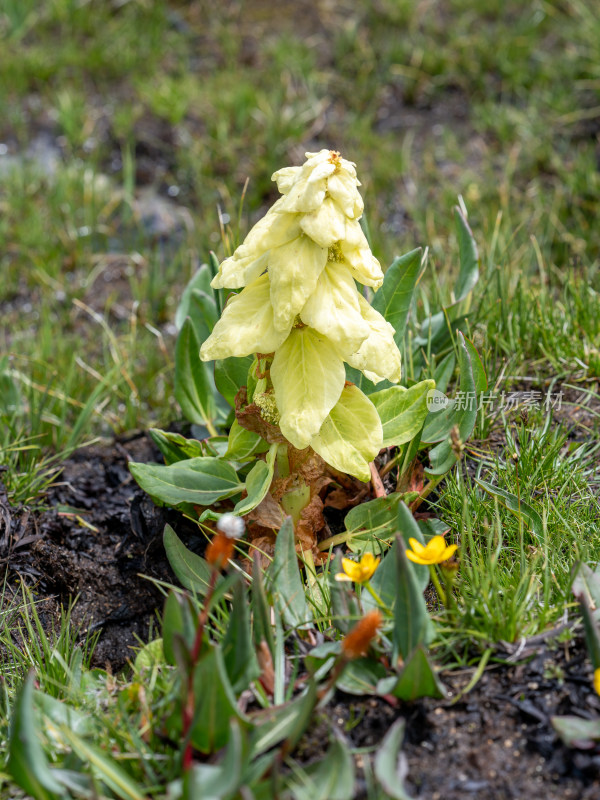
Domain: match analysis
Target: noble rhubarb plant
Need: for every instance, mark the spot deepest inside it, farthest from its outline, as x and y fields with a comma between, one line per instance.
x=300, y=312
x=304, y=330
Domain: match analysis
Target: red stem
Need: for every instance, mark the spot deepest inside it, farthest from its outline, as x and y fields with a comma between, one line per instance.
x=188, y=707
x=376, y=481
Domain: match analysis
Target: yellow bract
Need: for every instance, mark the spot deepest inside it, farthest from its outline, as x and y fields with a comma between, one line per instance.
x=358, y=571
x=435, y=552
x=246, y=325
x=350, y=434
x=299, y=265
x=597, y=680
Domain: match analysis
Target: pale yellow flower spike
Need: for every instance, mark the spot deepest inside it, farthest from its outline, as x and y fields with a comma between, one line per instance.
x=435, y=552
x=298, y=268
x=358, y=571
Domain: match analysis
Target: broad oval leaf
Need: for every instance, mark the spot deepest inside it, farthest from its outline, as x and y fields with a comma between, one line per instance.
x=308, y=377
x=192, y=571
x=371, y=525
x=402, y=411
x=175, y=447
x=200, y=481
x=242, y=443
x=258, y=482
x=350, y=436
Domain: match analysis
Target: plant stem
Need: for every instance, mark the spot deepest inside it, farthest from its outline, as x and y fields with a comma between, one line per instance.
x=332, y=541
x=189, y=703
x=375, y=596
x=376, y=481
x=425, y=492
x=438, y=586
x=210, y=427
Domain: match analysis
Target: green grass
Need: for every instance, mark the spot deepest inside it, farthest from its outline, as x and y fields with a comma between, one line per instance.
x=515, y=580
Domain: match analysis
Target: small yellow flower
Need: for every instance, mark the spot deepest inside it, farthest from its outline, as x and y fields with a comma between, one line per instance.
x=435, y=552
x=597, y=680
x=358, y=571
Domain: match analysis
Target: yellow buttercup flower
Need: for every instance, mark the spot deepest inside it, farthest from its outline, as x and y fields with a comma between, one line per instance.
x=435, y=552
x=597, y=680
x=358, y=571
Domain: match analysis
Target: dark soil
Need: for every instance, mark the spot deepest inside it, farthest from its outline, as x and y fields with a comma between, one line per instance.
x=102, y=535
x=97, y=541
x=497, y=742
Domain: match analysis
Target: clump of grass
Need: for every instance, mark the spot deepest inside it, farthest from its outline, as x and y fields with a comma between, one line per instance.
x=517, y=554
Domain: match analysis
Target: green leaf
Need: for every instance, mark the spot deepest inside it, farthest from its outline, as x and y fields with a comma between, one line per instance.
x=461, y=414
x=200, y=281
x=395, y=295
x=242, y=443
x=360, y=677
x=192, y=570
x=104, y=768
x=258, y=482
x=261, y=613
x=308, y=377
x=276, y=723
x=591, y=629
x=27, y=763
x=444, y=371
x=412, y=625
x=175, y=447
x=409, y=528
x=199, y=481
x=177, y=620
x=285, y=579
x=469, y=259
x=371, y=525
x=517, y=506
x=577, y=732
x=219, y=781
x=417, y=679
x=230, y=375
x=587, y=584
x=350, y=436
x=344, y=605
x=390, y=762
x=238, y=653
x=215, y=703
x=402, y=411
x=193, y=385
x=331, y=778
x=479, y=375
x=150, y=655
x=302, y=718
x=202, y=314
x=61, y=713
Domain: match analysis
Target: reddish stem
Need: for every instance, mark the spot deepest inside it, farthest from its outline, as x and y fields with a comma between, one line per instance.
x=188, y=707
x=376, y=482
